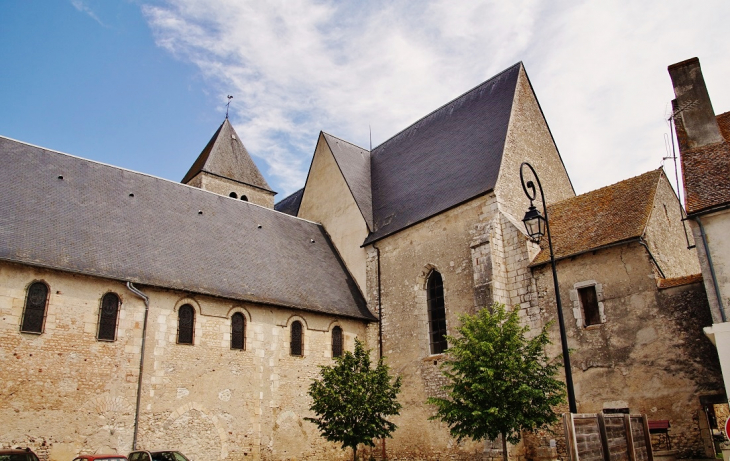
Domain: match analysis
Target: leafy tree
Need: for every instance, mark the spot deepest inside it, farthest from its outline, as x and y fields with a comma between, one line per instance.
x=500, y=382
x=352, y=400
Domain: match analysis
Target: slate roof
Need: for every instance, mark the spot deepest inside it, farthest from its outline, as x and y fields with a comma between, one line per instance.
x=354, y=163
x=290, y=204
x=226, y=156
x=109, y=222
x=612, y=214
x=446, y=158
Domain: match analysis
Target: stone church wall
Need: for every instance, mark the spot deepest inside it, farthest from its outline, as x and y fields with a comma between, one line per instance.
x=68, y=393
x=224, y=186
x=649, y=355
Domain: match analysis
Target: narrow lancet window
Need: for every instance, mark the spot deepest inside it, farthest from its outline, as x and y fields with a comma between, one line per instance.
x=108, y=315
x=34, y=313
x=238, y=331
x=436, y=313
x=296, y=346
x=185, y=324
x=336, y=342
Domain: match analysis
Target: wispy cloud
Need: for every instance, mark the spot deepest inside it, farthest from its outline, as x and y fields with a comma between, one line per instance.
x=297, y=67
x=84, y=8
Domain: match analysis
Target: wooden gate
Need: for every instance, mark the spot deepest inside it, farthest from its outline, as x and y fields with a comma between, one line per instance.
x=611, y=437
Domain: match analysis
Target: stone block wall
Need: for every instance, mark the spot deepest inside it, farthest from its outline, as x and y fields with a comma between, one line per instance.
x=68, y=393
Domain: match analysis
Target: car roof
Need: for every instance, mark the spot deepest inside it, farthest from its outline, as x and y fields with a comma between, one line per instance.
x=14, y=451
x=93, y=457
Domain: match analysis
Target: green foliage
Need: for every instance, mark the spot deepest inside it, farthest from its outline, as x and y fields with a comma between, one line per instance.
x=500, y=382
x=352, y=400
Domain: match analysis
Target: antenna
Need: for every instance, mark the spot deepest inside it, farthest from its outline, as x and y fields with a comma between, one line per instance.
x=227, y=105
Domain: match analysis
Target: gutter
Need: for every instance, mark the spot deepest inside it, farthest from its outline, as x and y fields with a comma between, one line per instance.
x=712, y=269
x=642, y=243
x=141, y=359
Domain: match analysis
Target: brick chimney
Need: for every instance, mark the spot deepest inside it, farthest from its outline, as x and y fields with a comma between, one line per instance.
x=695, y=118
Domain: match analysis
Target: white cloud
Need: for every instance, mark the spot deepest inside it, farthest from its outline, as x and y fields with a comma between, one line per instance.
x=297, y=67
x=84, y=8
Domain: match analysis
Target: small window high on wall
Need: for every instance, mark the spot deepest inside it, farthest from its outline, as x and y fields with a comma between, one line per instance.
x=108, y=315
x=34, y=313
x=589, y=303
x=296, y=345
x=336, y=342
x=185, y=324
x=238, y=331
x=436, y=313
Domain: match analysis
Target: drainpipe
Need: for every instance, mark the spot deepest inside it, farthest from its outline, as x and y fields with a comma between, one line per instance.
x=712, y=269
x=141, y=359
x=642, y=243
x=380, y=329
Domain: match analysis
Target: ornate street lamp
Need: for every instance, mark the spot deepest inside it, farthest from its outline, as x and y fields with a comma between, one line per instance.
x=537, y=226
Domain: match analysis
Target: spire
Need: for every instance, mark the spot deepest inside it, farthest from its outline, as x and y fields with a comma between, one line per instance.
x=226, y=157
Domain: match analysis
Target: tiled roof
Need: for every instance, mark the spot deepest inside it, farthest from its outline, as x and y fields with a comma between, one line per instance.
x=226, y=156
x=290, y=204
x=679, y=281
x=71, y=214
x=354, y=163
x=601, y=217
x=449, y=156
x=706, y=174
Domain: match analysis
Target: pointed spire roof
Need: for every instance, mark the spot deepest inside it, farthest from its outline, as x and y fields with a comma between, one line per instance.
x=226, y=156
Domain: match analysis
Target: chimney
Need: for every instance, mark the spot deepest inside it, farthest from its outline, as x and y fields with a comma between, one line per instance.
x=694, y=114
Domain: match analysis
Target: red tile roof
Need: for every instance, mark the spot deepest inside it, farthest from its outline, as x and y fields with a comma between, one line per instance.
x=723, y=121
x=601, y=217
x=706, y=174
x=679, y=281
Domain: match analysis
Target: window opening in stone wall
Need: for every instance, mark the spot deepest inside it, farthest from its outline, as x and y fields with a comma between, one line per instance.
x=108, y=315
x=233, y=195
x=34, y=313
x=336, y=342
x=436, y=313
x=589, y=303
x=244, y=198
x=185, y=324
x=296, y=344
x=238, y=331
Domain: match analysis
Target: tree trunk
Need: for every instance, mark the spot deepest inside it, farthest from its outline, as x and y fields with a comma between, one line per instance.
x=504, y=446
x=354, y=453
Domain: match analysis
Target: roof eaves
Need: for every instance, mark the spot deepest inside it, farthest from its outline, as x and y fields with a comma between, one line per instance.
x=582, y=252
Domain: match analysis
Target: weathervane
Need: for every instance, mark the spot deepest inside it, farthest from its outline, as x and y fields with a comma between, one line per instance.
x=229, y=103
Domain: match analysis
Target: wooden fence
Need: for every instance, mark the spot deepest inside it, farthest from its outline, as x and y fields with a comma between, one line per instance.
x=607, y=437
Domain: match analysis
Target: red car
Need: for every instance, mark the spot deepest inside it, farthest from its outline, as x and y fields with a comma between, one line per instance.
x=113, y=457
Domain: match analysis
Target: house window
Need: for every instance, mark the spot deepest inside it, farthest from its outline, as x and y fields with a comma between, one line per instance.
x=589, y=303
x=297, y=339
x=238, y=331
x=108, y=314
x=587, y=300
x=436, y=313
x=336, y=342
x=185, y=324
x=34, y=313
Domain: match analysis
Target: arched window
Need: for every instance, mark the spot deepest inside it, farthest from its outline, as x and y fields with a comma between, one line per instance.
x=34, y=313
x=244, y=198
x=436, y=313
x=108, y=314
x=238, y=331
x=233, y=195
x=185, y=324
x=336, y=342
x=296, y=345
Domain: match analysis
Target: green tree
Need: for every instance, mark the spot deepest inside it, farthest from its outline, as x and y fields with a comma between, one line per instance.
x=352, y=400
x=500, y=382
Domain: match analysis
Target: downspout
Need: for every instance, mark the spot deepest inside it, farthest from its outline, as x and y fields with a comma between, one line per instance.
x=712, y=269
x=642, y=243
x=141, y=359
x=380, y=330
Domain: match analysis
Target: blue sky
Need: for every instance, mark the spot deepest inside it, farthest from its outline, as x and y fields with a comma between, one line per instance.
x=143, y=84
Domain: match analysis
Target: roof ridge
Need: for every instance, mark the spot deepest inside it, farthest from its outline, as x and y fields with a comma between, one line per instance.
x=650, y=203
x=344, y=140
x=604, y=187
x=519, y=63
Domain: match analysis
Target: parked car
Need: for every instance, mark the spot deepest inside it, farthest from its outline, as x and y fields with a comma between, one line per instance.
x=157, y=456
x=114, y=457
x=17, y=454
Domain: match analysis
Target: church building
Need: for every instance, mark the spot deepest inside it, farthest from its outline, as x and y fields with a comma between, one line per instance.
x=137, y=311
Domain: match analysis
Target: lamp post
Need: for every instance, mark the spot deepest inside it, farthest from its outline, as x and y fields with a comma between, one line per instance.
x=537, y=226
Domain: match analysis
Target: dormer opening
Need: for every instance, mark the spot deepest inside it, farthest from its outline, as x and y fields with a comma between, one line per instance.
x=233, y=195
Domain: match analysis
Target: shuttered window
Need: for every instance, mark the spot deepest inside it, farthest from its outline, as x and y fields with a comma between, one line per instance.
x=34, y=313
x=336, y=342
x=238, y=331
x=108, y=315
x=436, y=313
x=185, y=324
x=296, y=345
